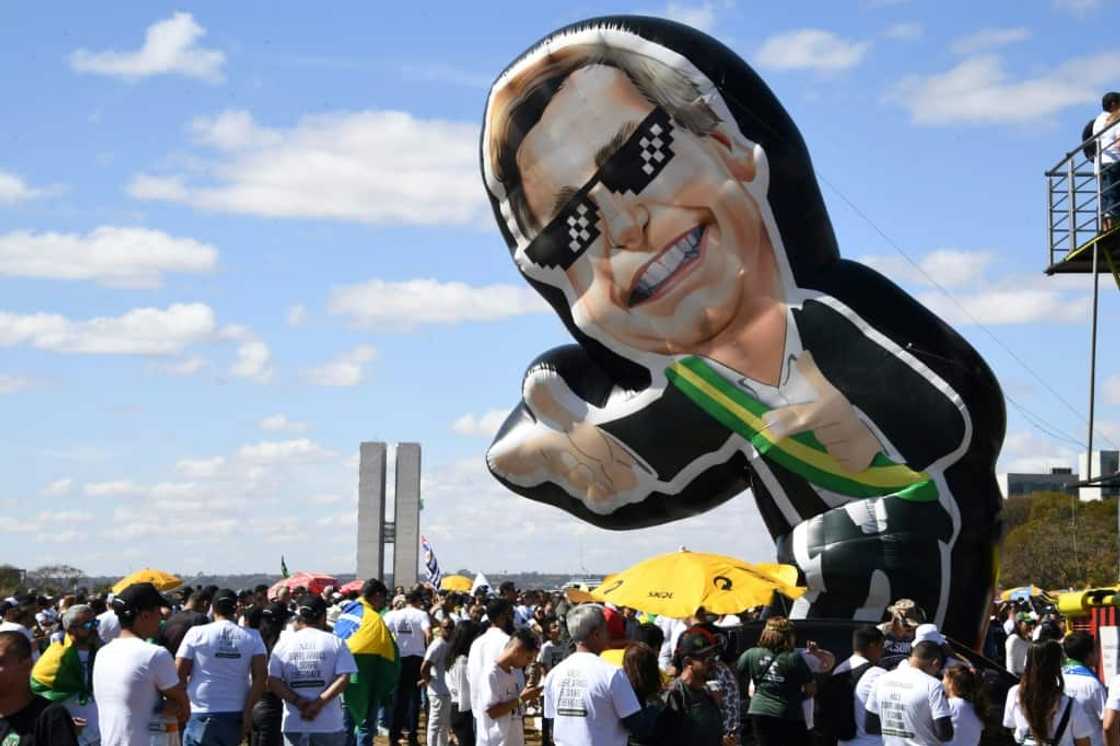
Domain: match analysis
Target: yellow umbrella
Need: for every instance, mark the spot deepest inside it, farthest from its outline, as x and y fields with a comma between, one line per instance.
x=679, y=583
x=163, y=581
x=455, y=583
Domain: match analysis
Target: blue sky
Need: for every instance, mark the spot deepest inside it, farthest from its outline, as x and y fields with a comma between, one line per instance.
x=238, y=239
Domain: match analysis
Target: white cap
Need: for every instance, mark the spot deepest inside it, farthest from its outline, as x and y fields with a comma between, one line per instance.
x=928, y=633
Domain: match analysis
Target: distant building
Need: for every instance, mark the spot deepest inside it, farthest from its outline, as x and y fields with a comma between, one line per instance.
x=1105, y=463
x=1060, y=479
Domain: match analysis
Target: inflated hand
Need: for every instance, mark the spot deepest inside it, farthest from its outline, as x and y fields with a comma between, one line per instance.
x=831, y=419
x=581, y=457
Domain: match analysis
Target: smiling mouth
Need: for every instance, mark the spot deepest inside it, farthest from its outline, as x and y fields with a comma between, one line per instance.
x=672, y=263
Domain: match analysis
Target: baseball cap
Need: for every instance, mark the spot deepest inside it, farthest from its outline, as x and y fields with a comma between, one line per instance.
x=907, y=612
x=616, y=625
x=928, y=633
x=139, y=597
x=312, y=607
x=276, y=611
x=225, y=600
x=697, y=642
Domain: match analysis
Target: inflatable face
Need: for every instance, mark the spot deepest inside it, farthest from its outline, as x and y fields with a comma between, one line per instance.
x=654, y=191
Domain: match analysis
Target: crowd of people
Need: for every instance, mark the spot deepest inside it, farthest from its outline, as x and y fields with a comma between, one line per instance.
x=215, y=666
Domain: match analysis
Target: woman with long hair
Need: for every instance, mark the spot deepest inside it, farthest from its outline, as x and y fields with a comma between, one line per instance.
x=782, y=680
x=639, y=663
x=968, y=704
x=1038, y=711
x=462, y=720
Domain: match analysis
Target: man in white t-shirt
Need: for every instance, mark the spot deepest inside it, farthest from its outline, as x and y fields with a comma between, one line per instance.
x=590, y=702
x=1112, y=712
x=908, y=706
x=867, y=644
x=486, y=648
x=308, y=670
x=135, y=682
x=108, y=626
x=502, y=694
x=217, y=661
x=1081, y=682
x=412, y=629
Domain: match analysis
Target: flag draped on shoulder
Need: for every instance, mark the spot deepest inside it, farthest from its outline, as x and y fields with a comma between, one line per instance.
x=375, y=652
x=431, y=564
x=58, y=674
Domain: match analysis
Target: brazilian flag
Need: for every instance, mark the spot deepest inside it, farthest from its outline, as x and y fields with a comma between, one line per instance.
x=375, y=652
x=57, y=675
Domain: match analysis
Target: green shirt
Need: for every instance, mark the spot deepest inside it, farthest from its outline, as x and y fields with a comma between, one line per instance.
x=777, y=687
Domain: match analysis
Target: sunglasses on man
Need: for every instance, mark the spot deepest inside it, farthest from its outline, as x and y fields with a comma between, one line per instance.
x=631, y=168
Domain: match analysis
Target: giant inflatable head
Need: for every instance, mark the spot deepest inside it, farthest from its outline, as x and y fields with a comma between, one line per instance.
x=654, y=191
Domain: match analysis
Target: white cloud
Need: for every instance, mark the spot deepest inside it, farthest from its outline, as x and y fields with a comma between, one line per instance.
x=170, y=48
x=345, y=370
x=989, y=38
x=811, y=49
x=904, y=31
x=141, y=331
x=14, y=189
x=403, y=305
x=949, y=267
x=979, y=91
x=108, y=255
x=200, y=468
x=11, y=384
x=65, y=516
x=485, y=425
x=118, y=488
x=1078, y=7
x=253, y=355
x=1112, y=389
x=1026, y=452
x=1009, y=305
x=382, y=167
x=301, y=450
x=57, y=488
x=281, y=423
x=700, y=16
x=59, y=537
x=297, y=315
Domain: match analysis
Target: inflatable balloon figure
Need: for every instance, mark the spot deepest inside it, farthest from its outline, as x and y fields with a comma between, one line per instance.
x=654, y=191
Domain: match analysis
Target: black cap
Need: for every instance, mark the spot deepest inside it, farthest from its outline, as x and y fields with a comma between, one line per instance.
x=139, y=597
x=225, y=600
x=697, y=642
x=312, y=607
x=276, y=611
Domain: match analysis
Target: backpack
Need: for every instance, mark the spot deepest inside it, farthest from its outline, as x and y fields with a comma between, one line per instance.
x=836, y=717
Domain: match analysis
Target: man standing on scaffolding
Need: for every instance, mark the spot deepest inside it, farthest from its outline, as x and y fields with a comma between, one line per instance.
x=1108, y=157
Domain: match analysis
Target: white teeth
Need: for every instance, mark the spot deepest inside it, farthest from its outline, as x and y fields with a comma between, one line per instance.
x=682, y=252
x=657, y=272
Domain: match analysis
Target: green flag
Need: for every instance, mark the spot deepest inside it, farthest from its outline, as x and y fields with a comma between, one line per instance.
x=283, y=567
